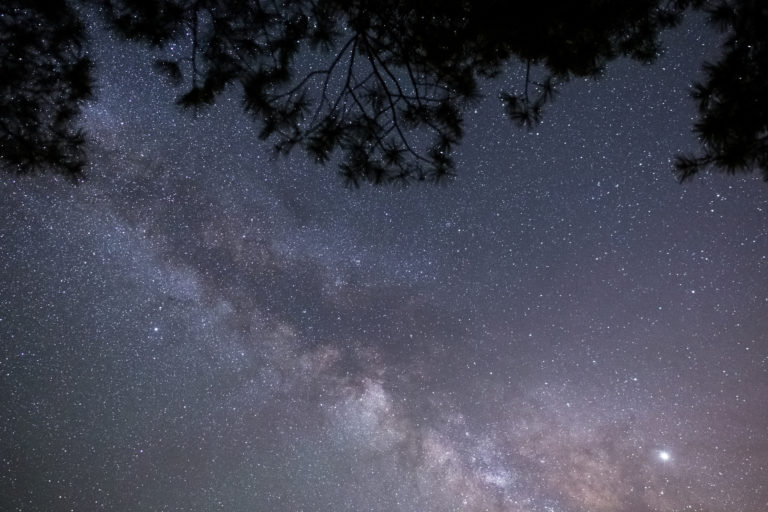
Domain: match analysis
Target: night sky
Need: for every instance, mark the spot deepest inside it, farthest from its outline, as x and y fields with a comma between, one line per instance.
x=562, y=328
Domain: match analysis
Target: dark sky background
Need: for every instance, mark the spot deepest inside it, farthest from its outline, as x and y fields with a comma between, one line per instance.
x=563, y=328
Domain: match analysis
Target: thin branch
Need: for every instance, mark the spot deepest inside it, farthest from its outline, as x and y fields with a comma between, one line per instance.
x=316, y=72
x=194, y=46
x=393, y=109
x=527, y=79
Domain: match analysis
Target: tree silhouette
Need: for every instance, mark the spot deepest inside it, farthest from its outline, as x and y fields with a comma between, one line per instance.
x=379, y=86
x=733, y=99
x=44, y=78
x=385, y=81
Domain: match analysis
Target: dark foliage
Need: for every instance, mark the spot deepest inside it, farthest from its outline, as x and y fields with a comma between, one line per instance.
x=44, y=78
x=379, y=86
x=388, y=80
x=733, y=99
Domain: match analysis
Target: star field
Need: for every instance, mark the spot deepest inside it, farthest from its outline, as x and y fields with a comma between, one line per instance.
x=562, y=328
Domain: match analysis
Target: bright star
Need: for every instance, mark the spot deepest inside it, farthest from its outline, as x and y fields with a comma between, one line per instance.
x=663, y=455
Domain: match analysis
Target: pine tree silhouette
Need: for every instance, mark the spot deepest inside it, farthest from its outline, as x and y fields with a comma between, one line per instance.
x=733, y=99
x=378, y=86
x=44, y=79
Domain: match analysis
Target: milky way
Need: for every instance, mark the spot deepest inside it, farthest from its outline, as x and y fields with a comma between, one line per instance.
x=562, y=328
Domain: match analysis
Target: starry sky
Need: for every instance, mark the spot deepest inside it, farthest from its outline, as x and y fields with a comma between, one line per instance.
x=562, y=328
